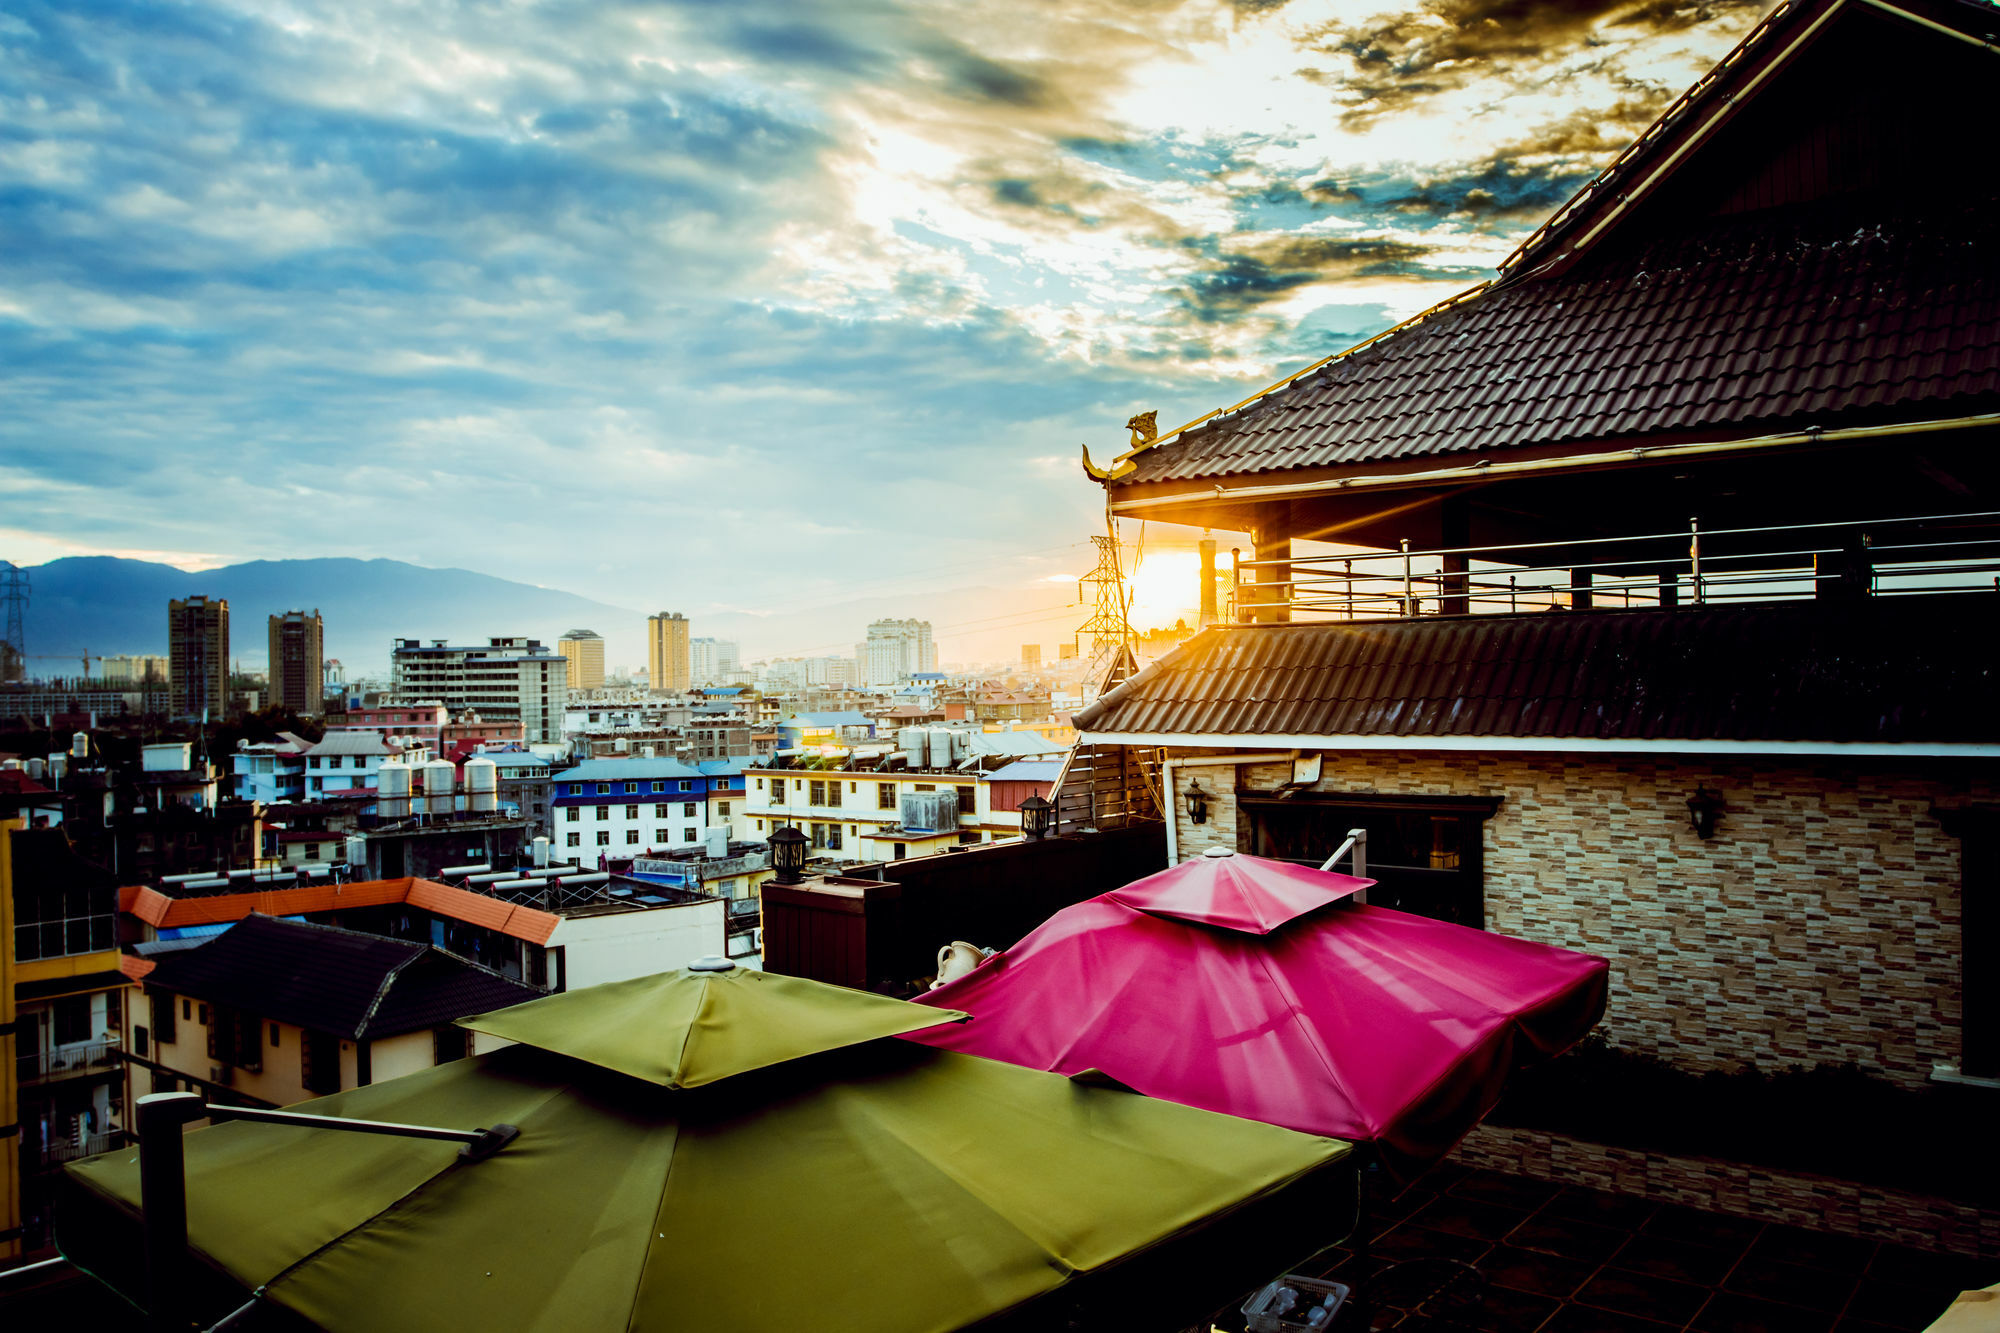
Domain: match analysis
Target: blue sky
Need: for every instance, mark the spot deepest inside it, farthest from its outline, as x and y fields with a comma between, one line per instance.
x=734, y=306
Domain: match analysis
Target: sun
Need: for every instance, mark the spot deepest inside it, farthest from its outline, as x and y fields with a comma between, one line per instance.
x=1165, y=587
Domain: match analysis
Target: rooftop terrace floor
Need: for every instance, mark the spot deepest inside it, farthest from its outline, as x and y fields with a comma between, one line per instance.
x=1566, y=1259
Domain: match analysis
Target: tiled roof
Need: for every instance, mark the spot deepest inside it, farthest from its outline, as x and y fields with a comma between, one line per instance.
x=525, y=923
x=14, y=782
x=1754, y=325
x=623, y=770
x=331, y=980
x=353, y=742
x=1885, y=671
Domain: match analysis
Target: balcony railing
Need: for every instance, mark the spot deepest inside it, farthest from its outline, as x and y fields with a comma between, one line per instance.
x=1934, y=553
x=67, y=1061
x=74, y=1149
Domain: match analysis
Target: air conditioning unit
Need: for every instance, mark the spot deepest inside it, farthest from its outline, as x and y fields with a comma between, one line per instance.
x=222, y=1075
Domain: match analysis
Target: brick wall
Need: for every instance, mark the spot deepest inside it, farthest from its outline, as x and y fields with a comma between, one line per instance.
x=1821, y=924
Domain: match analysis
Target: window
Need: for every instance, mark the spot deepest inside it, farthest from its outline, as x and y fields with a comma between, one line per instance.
x=687, y=786
x=603, y=813
x=885, y=796
x=603, y=789
x=631, y=812
x=722, y=809
x=576, y=789
x=274, y=1036
x=163, y=1018
x=72, y=1019
x=53, y=919
x=1425, y=853
x=760, y=784
x=312, y=761
x=923, y=786
x=833, y=794
x=631, y=787
x=571, y=815
x=312, y=851
x=631, y=837
x=574, y=840
x=833, y=837
x=319, y=1062
x=687, y=835
x=604, y=837
x=661, y=835
x=966, y=801
x=659, y=786
x=817, y=793
x=760, y=826
x=777, y=789
x=901, y=851
x=450, y=1043
x=140, y=1041
x=688, y=809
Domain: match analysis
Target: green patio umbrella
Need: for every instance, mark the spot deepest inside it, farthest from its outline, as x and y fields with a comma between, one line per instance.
x=731, y=1150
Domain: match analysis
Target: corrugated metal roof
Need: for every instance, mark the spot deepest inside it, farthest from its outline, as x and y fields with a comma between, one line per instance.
x=621, y=770
x=1888, y=670
x=1754, y=325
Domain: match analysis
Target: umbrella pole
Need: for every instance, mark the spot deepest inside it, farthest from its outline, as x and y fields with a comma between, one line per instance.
x=163, y=1116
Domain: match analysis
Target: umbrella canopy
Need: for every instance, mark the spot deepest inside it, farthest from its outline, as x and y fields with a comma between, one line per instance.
x=705, y=1150
x=1237, y=984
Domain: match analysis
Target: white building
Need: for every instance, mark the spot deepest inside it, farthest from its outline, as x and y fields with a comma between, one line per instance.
x=507, y=680
x=351, y=761
x=895, y=649
x=712, y=659
x=627, y=807
x=270, y=771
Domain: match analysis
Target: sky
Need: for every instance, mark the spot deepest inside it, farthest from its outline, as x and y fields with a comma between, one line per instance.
x=736, y=306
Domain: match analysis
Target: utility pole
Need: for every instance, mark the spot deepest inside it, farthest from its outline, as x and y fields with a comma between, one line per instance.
x=1110, y=626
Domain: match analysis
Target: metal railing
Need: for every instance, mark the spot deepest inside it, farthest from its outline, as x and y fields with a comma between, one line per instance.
x=58, y=1151
x=63, y=1061
x=1933, y=553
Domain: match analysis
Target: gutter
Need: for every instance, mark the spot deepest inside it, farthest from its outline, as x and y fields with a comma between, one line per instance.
x=1489, y=470
x=1272, y=747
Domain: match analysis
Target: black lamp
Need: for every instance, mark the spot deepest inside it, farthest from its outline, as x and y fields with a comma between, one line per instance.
x=1704, y=809
x=1036, y=816
x=1197, y=802
x=788, y=854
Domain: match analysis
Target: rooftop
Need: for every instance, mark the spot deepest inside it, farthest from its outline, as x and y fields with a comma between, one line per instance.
x=331, y=980
x=1879, y=672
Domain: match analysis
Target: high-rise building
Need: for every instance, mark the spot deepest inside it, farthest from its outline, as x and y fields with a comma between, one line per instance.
x=1031, y=655
x=712, y=660
x=198, y=656
x=895, y=649
x=669, y=659
x=584, y=651
x=137, y=668
x=298, y=678
x=507, y=680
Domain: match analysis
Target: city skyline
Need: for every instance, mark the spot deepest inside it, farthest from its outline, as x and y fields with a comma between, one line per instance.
x=269, y=288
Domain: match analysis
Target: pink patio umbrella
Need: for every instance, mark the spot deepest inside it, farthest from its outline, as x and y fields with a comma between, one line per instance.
x=1256, y=988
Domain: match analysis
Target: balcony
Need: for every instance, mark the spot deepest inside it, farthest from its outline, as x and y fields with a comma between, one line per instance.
x=71, y=1061
x=75, y=1149
x=1929, y=554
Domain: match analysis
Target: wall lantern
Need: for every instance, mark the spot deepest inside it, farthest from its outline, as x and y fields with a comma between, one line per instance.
x=1036, y=817
x=1197, y=802
x=1704, y=809
x=788, y=854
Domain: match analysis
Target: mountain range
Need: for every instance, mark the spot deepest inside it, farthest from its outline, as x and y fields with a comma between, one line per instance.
x=105, y=605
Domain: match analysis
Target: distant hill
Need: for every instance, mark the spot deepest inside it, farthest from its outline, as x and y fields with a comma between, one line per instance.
x=108, y=606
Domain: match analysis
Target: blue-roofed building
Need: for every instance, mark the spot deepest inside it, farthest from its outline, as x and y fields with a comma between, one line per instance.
x=628, y=807
x=727, y=788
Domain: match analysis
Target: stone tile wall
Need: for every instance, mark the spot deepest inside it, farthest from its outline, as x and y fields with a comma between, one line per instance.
x=1820, y=925
x=1727, y=1187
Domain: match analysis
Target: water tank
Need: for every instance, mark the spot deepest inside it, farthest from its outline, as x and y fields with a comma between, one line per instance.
x=392, y=789
x=439, y=777
x=58, y=766
x=913, y=742
x=79, y=745
x=482, y=785
x=10, y=765
x=357, y=851
x=541, y=852
x=941, y=747
x=36, y=769
x=716, y=843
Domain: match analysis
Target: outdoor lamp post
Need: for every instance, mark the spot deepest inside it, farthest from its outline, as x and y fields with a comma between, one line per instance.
x=1197, y=802
x=1704, y=809
x=1036, y=817
x=788, y=854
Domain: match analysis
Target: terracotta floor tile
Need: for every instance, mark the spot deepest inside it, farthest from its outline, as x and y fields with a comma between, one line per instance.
x=1813, y=1249
x=1507, y=1191
x=1601, y=1207
x=1813, y=1288
x=1635, y=1293
x=1567, y=1238
x=1927, y=1268
x=1657, y=1256
x=1584, y=1319
x=1898, y=1306
x=1693, y=1226
x=1468, y=1217
x=1531, y=1270
x=1732, y=1312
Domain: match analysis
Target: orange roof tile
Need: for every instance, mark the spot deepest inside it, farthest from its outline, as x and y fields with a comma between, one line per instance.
x=161, y=912
x=136, y=967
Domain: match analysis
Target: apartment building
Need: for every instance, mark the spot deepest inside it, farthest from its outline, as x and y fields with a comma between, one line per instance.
x=506, y=680
x=198, y=656
x=627, y=807
x=895, y=649
x=669, y=654
x=297, y=671
x=583, y=650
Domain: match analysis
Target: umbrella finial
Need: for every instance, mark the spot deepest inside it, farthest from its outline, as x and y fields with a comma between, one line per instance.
x=711, y=963
x=1220, y=851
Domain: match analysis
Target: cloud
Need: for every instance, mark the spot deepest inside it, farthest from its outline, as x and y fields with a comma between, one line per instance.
x=701, y=288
